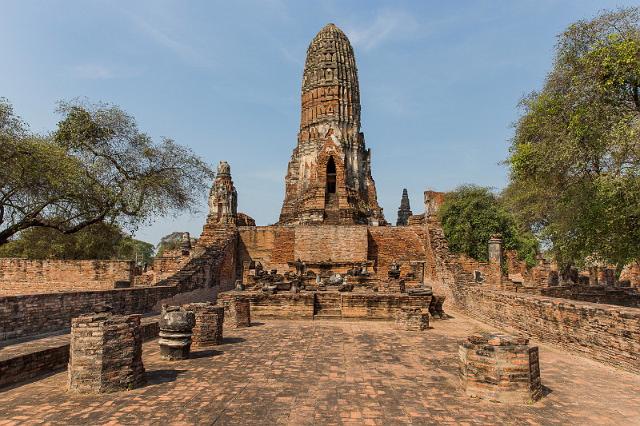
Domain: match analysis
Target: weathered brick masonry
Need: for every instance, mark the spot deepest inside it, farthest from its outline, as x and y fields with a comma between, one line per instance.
x=607, y=333
x=24, y=276
x=40, y=313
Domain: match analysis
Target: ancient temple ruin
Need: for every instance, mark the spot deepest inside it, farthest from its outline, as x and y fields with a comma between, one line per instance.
x=331, y=256
x=329, y=176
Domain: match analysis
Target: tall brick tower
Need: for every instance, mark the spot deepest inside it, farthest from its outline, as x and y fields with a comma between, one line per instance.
x=329, y=175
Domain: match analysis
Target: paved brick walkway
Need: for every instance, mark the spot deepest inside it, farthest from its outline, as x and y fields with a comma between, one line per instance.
x=325, y=372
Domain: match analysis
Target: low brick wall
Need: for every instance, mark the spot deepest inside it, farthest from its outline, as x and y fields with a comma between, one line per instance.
x=51, y=359
x=372, y=306
x=276, y=306
x=40, y=313
x=379, y=306
x=606, y=333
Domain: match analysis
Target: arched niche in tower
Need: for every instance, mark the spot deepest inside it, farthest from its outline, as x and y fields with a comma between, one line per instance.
x=331, y=176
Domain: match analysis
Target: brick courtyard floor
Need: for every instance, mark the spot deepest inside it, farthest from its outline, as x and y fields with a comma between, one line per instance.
x=330, y=372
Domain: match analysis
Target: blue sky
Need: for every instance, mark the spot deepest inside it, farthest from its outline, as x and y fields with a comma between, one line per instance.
x=439, y=81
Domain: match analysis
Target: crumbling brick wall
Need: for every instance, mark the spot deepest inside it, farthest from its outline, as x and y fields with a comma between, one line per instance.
x=336, y=243
x=40, y=313
x=606, y=333
x=24, y=276
x=394, y=244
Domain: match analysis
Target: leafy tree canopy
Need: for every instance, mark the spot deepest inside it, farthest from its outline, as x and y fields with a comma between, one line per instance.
x=470, y=215
x=575, y=155
x=97, y=241
x=95, y=167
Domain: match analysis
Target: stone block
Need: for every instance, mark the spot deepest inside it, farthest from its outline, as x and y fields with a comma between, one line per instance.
x=105, y=353
x=500, y=367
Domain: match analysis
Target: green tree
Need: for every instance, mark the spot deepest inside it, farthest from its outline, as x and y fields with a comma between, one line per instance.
x=97, y=241
x=96, y=167
x=470, y=215
x=575, y=154
x=170, y=242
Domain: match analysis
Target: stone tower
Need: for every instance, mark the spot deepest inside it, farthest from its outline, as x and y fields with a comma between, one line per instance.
x=223, y=198
x=404, y=212
x=329, y=175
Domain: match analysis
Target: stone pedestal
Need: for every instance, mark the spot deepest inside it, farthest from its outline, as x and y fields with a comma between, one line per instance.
x=500, y=367
x=176, y=326
x=238, y=312
x=436, y=307
x=412, y=319
x=105, y=353
x=209, y=321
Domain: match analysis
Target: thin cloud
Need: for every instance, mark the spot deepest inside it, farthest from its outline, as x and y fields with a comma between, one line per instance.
x=387, y=25
x=93, y=72
x=168, y=41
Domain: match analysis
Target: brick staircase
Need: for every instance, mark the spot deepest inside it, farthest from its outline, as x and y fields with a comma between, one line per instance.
x=327, y=306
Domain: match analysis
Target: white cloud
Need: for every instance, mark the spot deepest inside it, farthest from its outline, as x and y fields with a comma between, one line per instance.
x=387, y=25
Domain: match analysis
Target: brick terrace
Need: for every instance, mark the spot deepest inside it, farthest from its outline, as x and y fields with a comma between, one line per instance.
x=331, y=372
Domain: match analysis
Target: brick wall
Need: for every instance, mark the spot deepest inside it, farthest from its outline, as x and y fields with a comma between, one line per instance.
x=209, y=269
x=40, y=313
x=400, y=244
x=609, y=334
x=352, y=305
x=606, y=333
x=337, y=243
x=23, y=276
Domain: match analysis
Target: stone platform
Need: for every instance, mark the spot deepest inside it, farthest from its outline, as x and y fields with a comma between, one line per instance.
x=331, y=372
x=327, y=304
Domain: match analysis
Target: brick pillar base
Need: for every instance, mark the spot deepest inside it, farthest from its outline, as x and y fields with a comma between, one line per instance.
x=105, y=353
x=209, y=321
x=500, y=367
x=238, y=312
x=412, y=319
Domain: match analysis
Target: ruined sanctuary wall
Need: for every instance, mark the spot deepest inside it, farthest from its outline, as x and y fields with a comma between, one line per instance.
x=337, y=243
x=270, y=245
x=387, y=244
x=24, y=276
x=210, y=269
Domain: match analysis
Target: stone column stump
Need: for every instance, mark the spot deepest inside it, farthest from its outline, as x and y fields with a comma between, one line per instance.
x=500, y=367
x=435, y=307
x=209, y=321
x=176, y=326
x=238, y=312
x=412, y=319
x=105, y=354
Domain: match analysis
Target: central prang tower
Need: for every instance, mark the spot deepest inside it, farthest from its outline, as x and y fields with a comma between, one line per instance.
x=329, y=176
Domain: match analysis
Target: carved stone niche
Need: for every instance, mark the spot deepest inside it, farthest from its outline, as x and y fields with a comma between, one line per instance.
x=500, y=367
